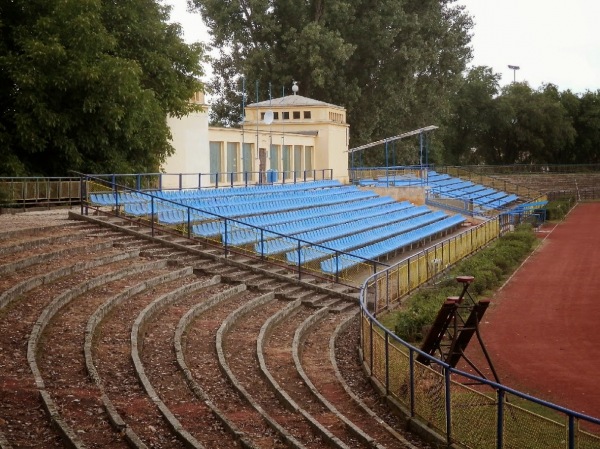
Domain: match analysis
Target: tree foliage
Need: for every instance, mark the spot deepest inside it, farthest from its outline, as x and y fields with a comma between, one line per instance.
x=520, y=125
x=392, y=64
x=87, y=85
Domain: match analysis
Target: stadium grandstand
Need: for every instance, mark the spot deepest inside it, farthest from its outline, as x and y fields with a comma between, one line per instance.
x=312, y=241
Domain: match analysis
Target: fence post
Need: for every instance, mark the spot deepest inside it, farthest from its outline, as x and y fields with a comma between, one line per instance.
x=337, y=266
x=189, y=223
x=408, y=274
x=371, y=347
x=225, y=238
x=387, y=363
x=387, y=290
x=152, y=214
x=571, y=432
x=82, y=195
x=116, y=193
x=411, y=381
x=448, y=406
x=262, y=243
x=500, y=424
x=299, y=264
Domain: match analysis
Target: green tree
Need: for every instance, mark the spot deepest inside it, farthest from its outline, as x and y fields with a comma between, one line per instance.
x=528, y=126
x=87, y=85
x=472, y=111
x=587, y=124
x=392, y=64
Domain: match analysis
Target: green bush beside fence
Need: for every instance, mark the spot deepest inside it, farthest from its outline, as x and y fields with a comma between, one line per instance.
x=489, y=267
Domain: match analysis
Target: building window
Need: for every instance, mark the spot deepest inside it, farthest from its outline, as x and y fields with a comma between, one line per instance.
x=262, y=116
x=274, y=157
x=286, y=115
x=247, y=161
x=286, y=159
x=276, y=115
x=296, y=115
x=215, y=160
x=308, y=160
x=306, y=114
x=298, y=160
x=233, y=158
x=336, y=117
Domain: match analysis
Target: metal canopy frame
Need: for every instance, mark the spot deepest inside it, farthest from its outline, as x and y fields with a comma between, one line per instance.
x=417, y=132
x=394, y=138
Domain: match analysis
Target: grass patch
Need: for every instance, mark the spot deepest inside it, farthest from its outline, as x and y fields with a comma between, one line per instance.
x=557, y=209
x=490, y=267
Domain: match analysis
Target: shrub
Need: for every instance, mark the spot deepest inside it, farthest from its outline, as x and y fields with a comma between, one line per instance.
x=557, y=209
x=489, y=267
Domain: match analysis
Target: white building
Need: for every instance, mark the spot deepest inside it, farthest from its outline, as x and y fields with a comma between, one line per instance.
x=291, y=137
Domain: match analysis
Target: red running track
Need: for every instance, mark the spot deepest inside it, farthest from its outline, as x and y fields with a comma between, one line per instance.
x=542, y=327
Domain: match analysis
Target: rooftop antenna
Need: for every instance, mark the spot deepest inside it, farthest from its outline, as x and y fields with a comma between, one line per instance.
x=243, y=108
x=257, y=113
x=268, y=118
x=282, y=122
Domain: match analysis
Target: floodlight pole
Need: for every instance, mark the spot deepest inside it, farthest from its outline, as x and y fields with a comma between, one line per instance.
x=514, y=68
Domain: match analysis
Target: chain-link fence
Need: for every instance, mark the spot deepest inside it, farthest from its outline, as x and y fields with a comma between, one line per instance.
x=463, y=409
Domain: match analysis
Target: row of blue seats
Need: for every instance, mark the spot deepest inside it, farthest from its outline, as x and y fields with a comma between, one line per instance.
x=376, y=183
x=458, y=187
x=159, y=205
x=250, y=190
x=490, y=198
x=150, y=208
x=502, y=202
x=347, y=244
x=337, y=232
x=483, y=197
x=252, y=235
x=111, y=199
x=530, y=206
x=266, y=197
x=214, y=228
x=241, y=210
x=338, y=263
x=444, y=182
x=471, y=196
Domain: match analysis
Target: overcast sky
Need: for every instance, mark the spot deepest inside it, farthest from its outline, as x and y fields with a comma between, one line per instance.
x=552, y=41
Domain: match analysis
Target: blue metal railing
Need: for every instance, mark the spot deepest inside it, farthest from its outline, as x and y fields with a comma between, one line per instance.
x=178, y=181
x=192, y=214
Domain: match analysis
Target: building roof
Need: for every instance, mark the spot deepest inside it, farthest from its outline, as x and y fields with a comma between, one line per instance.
x=291, y=100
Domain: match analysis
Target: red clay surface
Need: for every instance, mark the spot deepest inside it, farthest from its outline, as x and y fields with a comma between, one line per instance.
x=542, y=328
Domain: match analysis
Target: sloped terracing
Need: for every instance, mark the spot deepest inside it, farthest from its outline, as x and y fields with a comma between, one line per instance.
x=111, y=338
